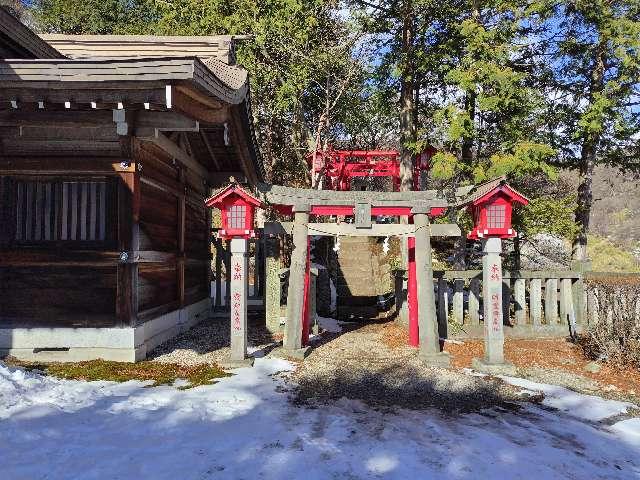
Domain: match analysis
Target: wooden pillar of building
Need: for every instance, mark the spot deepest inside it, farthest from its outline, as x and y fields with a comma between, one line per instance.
x=128, y=243
x=182, y=214
x=292, y=342
x=428, y=325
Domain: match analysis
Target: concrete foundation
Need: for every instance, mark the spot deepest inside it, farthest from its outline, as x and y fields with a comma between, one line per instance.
x=297, y=354
x=231, y=364
x=440, y=359
x=503, y=368
x=126, y=344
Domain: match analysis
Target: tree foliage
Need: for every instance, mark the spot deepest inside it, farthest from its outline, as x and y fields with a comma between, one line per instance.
x=499, y=87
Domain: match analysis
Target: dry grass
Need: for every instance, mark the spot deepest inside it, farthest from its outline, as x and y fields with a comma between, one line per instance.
x=557, y=354
x=158, y=373
x=550, y=353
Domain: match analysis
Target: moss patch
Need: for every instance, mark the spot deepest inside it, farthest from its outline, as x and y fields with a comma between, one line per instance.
x=159, y=373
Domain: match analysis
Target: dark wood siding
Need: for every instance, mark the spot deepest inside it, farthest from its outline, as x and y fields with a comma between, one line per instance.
x=57, y=296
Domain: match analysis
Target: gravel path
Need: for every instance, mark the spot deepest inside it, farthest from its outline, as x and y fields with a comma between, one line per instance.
x=208, y=342
x=357, y=363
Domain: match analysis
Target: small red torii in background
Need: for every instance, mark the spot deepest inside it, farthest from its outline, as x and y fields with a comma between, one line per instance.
x=340, y=167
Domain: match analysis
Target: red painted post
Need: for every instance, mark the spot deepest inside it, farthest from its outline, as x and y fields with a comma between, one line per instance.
x=305, y=309
x=412, y=294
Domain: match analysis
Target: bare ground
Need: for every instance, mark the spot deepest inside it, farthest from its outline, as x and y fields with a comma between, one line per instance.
x=373, y=363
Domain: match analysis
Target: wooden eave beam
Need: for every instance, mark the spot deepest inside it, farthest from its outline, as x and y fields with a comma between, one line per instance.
x=198, y=110
x=158, y=138
x=162, y=120
x=94, y=93
x=65, y=166
x=238, y=141
x=214, y=159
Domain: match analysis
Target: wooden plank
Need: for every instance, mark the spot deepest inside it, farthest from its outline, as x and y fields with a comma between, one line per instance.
x=61, y=257
x=61, y=148
x=20, y=210
x=40, y=89
x=7, y=210
x=181, y=237
x=64, y=166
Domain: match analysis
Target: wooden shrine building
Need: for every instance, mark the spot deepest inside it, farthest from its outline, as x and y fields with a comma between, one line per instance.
x=108, y=147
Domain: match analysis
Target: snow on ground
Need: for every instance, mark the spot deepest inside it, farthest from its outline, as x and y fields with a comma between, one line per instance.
x=330, y=325
x=244, y=427
x=586, y=407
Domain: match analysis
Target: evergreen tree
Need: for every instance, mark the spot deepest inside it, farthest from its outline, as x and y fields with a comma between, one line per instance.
x=592, y=50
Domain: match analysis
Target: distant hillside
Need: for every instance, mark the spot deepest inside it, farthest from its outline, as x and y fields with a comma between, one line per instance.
x=616, y=209
x=607, y=257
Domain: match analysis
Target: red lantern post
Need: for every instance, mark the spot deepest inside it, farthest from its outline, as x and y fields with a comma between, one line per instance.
x=491, y=206
x=237, y=208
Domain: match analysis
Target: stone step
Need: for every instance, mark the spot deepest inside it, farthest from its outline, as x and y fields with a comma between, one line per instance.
x=351, y=312
x=355, y=273
x=345, y=291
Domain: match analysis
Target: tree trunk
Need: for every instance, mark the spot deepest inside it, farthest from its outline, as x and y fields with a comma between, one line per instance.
x=467, y=140
x=588, y=155
x=407, y=105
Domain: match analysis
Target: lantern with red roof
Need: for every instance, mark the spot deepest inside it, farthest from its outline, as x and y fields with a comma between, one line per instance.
x=491, y=205
x=237, y=208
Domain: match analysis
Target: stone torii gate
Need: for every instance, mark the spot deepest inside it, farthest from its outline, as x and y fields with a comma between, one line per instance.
x=421, y=206
x=490, y=203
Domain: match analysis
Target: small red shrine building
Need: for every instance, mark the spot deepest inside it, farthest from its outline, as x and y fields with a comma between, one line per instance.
x=491, y=205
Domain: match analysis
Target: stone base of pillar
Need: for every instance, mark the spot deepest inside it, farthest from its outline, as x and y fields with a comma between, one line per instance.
x=231, y=364
x=297, y=354
x=504, y=368
x=441, y=359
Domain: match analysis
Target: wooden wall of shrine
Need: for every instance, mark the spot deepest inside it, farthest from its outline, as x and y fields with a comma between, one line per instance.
x=74, y=201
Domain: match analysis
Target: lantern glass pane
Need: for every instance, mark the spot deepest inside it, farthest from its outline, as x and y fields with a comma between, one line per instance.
x=495, y=216
x=236, y=217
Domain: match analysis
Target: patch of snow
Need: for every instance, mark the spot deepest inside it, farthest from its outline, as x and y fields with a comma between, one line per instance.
x=333, y=305
x=329, y=324
x=628, y=430
x=585, y=407
x=245, y=427
x=336, y=245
